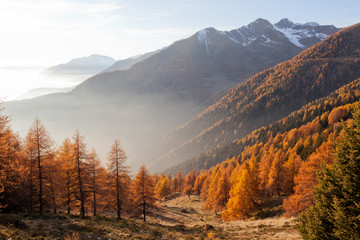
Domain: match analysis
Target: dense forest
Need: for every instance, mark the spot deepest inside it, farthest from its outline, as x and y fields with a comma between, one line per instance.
x=345, y=95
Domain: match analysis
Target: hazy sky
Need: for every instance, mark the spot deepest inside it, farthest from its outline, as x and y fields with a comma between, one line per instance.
x=48, y=32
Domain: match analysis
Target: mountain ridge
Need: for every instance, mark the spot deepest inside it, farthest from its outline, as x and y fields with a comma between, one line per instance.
x=269, y=95
x=201, y=66
x=89, y=65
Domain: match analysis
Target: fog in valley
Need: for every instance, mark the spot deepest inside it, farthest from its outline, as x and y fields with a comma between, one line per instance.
x=138, y=121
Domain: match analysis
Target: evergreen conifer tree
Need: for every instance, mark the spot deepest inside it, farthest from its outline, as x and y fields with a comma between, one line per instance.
x=336, y=213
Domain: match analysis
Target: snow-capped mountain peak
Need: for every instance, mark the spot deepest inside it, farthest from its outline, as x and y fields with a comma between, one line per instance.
x=284, y=23
x=266, y=34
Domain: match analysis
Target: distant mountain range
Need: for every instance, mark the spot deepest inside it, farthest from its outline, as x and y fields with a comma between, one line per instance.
x=267, y=97
x=125, y=64
x=166, y=88
x=202, y=66
x=90, y=65
x=36, y=92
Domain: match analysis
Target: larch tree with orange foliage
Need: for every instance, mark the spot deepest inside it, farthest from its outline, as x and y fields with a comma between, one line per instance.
x=10, y=155
x=222, y=193
x=178, y=182
x=94, y=165
x=68, y=173
x=80, y=157
x=205, y=187
x=244, y=192
x=277, y=174
x=143, y=192
x=199, y=181
x=118, y=170
x=307, y=178
x=171, y=184
x=39, y=148
x=291, y=168
x=264, y=170
x=189, y=183
x=218, y=191
x=212, y=188
x=162, y=188
x=54, y=178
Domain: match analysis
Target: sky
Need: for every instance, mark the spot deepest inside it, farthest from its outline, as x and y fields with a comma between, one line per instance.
x=49, y=32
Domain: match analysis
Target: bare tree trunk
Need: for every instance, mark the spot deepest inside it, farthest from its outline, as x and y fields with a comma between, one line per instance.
x=53, y=198
x=31, y=194
x=144, y=210
x=118, y=188
x=68, y=193
x=82, y=202
x=40, y=178
x=94, y=195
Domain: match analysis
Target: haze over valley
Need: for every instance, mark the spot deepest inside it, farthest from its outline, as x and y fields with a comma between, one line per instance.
x=161, y=90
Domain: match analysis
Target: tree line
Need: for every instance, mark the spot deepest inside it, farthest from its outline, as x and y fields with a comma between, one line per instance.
x=347, y=94
x=37, y=177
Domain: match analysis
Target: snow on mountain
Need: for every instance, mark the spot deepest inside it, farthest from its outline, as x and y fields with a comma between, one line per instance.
x=264, y=33
x=293, y=35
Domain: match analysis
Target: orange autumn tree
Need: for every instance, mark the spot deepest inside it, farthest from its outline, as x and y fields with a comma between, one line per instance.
x=205, y=187
x=162, y=187
x=212, y=188
x=222, y=192
x=244, y=192
x=11, y=169
x=178, y=182
x=307, y=178
x=54, y=177
x=143, y=192
x=218, y=189
x=68, y=173
x=93, y=168
x=80, y=156
x=189, y=183
x=199, y=182
x=277, y=174
x=291, y=168
x=39, y=148
x=264, y=170
x=118, y=173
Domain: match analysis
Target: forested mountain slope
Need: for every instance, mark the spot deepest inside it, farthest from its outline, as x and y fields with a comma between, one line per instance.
x=347, y=94
x=269, y=96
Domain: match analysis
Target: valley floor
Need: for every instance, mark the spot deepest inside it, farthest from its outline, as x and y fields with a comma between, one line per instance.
x=178, y=218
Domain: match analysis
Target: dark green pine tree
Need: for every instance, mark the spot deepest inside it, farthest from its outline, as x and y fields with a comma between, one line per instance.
x=336, y=213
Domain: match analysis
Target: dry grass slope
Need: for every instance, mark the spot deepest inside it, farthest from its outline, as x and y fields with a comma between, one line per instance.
x=178, y=218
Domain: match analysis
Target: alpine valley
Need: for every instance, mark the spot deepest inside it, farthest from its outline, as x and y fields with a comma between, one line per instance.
x=152, y=95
